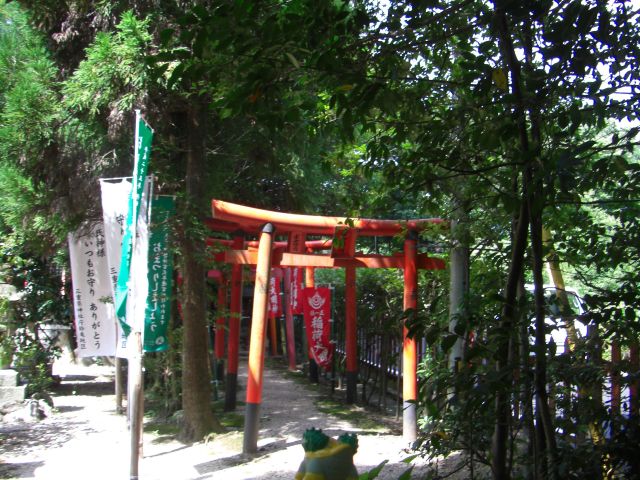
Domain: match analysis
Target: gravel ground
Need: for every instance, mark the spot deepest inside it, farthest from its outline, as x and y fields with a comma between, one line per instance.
x=86, y=439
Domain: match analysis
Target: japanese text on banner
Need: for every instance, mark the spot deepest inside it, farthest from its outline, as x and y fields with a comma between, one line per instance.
x=275, y=300
x=317, y=317
x=94, y=318
x=160, y=273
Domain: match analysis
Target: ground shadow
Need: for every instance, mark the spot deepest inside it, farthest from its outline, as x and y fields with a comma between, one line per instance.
x=78, y=378
x=23, y=438
x=91, y=387
x=167, y=452
x=19, y=470
x=222, y=463
x=68, y=408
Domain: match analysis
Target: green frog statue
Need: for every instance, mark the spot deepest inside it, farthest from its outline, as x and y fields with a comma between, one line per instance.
x=326, y=458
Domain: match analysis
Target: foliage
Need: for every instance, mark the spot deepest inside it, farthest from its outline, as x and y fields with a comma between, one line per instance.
x=113, y=77
x=33, y=358
x=507, y=116
x=163, y=374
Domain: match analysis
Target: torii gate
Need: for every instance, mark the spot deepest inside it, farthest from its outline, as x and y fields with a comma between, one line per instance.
x=241, y=220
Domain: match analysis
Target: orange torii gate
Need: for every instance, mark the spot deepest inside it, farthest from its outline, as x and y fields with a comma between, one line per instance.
x=241, y=220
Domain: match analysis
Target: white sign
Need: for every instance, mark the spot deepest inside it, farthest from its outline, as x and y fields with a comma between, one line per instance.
x=115, y=201
x=95, y=320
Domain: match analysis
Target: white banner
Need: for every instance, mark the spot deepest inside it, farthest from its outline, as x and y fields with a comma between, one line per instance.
x=95, y=320
x=138, y=280
x=115, y=201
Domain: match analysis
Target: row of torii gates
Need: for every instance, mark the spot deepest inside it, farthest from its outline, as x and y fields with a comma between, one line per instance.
x=337, y=250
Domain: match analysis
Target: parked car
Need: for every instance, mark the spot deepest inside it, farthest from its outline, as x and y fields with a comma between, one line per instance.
x=555, y=323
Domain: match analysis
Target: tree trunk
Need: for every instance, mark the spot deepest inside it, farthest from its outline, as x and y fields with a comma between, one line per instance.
x=196, y=376
x=532, y=202
x=502, y=407
x=458, y=282
x=545, y=425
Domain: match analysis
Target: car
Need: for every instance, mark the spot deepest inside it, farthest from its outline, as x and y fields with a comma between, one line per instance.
x=554, y=321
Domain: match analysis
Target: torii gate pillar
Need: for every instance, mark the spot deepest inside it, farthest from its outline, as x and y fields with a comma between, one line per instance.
x=351, y=332
x=256, y=346
x=409, y=351
x=220, y=324
x=235, y=316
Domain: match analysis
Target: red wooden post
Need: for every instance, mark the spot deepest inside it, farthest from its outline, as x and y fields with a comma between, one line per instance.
x=615, y=378
x=409, y=350
x=220, y=323
x=351, y=333
x=273, y=335
x=256, y=347
x=235, y=316
x=288, y=312
x=309, y=277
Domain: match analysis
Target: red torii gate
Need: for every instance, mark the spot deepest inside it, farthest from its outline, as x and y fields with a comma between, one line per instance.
x=241, y=220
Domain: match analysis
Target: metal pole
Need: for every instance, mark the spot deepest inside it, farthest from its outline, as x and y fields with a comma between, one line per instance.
x=137, y=404
x=256, y=347
x=409, y=349
x=119, y=385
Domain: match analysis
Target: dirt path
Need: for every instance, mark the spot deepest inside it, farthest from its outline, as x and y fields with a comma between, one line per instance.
x=85, y=439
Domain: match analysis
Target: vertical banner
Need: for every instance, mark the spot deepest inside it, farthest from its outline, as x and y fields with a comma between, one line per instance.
x=275, y=300
x=317, y=315
x=115, y=202
x=296, y=291
x=138, y=279
x=94, y=319
x=160, y=276
x=142, y=151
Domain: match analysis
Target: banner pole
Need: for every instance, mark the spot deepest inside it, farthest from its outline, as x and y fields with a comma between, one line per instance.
x=137, y=412
x=137, y=323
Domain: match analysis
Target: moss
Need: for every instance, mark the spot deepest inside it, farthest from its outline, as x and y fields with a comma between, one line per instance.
x=357, y=417
x=231, y=420
x=161, y=428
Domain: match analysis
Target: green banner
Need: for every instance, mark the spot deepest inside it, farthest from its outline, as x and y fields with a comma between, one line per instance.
x=144, y=136
x=160, y=275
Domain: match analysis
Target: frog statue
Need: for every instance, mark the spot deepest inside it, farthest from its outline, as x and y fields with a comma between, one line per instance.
x=326, y=458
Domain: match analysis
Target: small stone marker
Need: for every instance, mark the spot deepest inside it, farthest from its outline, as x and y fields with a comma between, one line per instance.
x=9, y=390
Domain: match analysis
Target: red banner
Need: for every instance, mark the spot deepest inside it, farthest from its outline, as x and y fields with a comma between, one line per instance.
x=296, y=291
x=317, y=314
x=275, y=302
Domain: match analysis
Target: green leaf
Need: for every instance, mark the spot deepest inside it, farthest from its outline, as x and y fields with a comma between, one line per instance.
x=410, y=458
x=448, y=341
x=166, y=35
x=374, y=472
x=293, y=59
x=406, y=475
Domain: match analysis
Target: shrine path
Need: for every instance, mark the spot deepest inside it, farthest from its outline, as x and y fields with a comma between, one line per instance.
x=86, y=439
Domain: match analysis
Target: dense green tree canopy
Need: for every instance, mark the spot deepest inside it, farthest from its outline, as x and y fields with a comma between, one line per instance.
x=504, y=116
